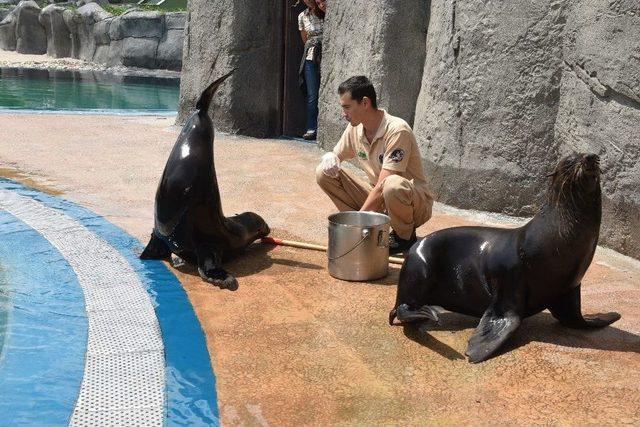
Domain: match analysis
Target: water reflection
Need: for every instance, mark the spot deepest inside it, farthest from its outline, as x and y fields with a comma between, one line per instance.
x=22, y=88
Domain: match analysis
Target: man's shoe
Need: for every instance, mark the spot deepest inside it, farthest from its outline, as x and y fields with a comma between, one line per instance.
x=398, y=244
x=309, y=135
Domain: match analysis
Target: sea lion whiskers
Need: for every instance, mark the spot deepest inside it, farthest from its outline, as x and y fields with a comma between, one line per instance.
x=571, y=189
x=558, y=199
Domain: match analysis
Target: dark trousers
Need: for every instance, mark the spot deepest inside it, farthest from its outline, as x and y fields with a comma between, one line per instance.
x=312, y=81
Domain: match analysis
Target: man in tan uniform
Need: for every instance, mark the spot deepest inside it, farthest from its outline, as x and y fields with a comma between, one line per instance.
x=388, y=153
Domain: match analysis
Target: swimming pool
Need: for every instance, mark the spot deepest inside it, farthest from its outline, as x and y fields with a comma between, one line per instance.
x=93, y=335
x=4, y=290
x=88, y=91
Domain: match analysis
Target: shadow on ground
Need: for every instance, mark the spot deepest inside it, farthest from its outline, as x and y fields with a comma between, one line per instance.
x=542, y=327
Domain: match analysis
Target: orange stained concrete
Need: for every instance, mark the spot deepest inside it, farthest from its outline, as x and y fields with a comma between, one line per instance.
x=294, y=346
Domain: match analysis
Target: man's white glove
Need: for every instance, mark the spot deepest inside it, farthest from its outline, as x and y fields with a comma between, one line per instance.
x=330, y=165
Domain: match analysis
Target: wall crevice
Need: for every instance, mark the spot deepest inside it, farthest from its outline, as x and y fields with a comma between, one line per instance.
x=602, y=91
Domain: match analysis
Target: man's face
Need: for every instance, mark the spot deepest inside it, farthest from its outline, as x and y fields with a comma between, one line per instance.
x=352, y=110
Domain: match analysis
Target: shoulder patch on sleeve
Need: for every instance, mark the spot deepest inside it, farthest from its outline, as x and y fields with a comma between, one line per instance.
x=397, y=155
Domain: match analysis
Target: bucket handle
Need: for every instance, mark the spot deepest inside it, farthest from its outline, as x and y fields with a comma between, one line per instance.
x=365, y=233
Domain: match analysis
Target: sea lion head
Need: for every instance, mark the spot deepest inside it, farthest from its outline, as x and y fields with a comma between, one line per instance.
x=576, y=179
x=254, y=225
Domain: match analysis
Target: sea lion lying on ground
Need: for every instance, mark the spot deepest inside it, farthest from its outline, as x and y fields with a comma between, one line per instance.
x=188, y=213
x=505, y=275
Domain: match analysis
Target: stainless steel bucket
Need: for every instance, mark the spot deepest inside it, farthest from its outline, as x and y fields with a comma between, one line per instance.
x=358, y=245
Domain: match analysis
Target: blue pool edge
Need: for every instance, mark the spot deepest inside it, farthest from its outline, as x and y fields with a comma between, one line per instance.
x=190, y=381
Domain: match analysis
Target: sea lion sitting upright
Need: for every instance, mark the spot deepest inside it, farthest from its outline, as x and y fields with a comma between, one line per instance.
x=188, y=213
x=505, y=275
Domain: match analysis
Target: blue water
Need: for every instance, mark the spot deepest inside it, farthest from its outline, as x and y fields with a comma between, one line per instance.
x=45, y=337
x=42, y=362
x=61, y=90
x=4, y=302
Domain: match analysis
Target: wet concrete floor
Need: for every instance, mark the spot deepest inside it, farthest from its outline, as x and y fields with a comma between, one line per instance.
x=294, y=346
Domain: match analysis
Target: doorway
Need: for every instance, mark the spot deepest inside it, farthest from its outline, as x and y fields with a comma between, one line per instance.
x=293, y=102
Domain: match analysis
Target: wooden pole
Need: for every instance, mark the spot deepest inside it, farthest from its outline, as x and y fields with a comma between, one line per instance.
x=302, y=245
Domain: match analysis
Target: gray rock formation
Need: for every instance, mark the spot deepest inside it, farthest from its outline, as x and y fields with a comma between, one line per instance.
x=82, y=26
x=135, y=39
x=147, y=39
x=139, y=52
x=226, y=34
x=139, y=34
x=139, y=24
x=80, y=3
x=510, y=87
x=103, y=40
x=58, y=35
x=30, y=34
x=488, y=102
x=599, y=109
x=8, y=32
x=169, y=54
x=4, y=12
x=72, y=21
x=384, y=40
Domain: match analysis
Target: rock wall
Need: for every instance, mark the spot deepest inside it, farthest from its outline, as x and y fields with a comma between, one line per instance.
x=135, y=36
x=134, y=39
x=488, y=103
x=390, y=51
x=58, y=36
x=226, y=34
x=8, y=32
x=169, y=52
x=30, y=35
x=509, y=87
x=4, y=12
x=599, y=108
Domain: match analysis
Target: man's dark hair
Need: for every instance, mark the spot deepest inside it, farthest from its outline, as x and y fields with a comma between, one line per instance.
x=359, y=87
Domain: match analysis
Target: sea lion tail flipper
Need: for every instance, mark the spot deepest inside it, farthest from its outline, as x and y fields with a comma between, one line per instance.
x=156, y=249
x=211, y=271
x=491, y=333
x=426, y=312
x=568, y=312
x=205, y=98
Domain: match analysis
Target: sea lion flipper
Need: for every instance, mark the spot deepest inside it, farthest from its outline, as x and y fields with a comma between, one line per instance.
x=156, y=249
x=205, y=98
x=426, y=312
x=601, y=319
x=493, y=330
x=210, y=269
x=568, y=312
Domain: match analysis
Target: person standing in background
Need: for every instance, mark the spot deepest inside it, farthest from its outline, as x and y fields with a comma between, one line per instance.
x=310, y=24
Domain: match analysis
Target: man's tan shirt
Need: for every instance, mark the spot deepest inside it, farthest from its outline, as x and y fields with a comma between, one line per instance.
x=394, y=148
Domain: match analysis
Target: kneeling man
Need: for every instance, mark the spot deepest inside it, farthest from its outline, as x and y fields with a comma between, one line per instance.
x=388, y=153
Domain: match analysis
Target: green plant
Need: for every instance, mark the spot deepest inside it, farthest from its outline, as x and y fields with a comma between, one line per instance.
x=119, y=10
x=115, y=10
x=162, y=9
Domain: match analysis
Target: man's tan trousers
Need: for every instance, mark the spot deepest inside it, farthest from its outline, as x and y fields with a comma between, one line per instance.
x=407, y=206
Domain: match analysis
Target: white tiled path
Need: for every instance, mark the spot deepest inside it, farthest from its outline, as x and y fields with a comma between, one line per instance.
x=124, y=374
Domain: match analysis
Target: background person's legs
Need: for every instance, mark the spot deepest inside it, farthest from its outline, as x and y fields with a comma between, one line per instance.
x=312, y=80
x=347, y=192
